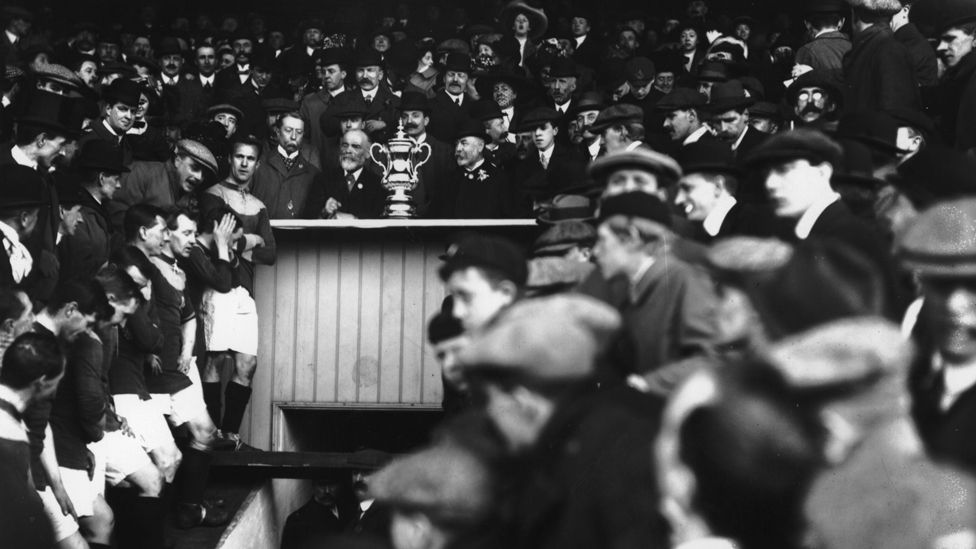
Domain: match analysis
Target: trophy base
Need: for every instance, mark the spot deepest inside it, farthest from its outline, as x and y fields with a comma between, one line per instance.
x=399, y=209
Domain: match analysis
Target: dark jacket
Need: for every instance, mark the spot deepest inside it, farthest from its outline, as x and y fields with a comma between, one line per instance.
x=566, y=170
x=482, y=193
x=78, y=413
x=22, y=518
x=433, y=176
x=589, y=480
x=956, y=109
x=383, y=107
x=446, y=117
x=139, y=338
x=100, y=131
x=879, y=73
x=82, y=254
x=283, y=191
x=922, y=55
x=744, y=220
x=173, y=311
x=825, y=52
x=187, y=100
x=752, y=139
x=365, y=200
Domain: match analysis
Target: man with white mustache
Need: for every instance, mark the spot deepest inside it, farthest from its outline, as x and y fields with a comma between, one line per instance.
x=349, y=191
x=451, y=106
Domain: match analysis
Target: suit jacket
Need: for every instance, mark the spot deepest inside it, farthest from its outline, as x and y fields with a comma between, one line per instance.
x=433, y=176
x=284, y=192
x=482, y=193
x=365, y=200
x=187, y=100
x=383, y=107
x=879, y=73
x=446, y=117
x=956, y=109
x=825, y=52
x=745, y=220
x=590, y=52
x=752, y=139
x=312, y=108
x=99, y=131
x=566, y=170
x=82, y=254
x=922, y=55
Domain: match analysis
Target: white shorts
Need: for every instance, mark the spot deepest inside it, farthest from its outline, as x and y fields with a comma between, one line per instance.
x=230, y=321
x=184, y=405
x=64, y=525
x=146, y=421
x=123, y=456
x=82, y=490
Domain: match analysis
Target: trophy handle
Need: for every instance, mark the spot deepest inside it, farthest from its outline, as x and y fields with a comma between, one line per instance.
x=381, y=150
x=421, y=150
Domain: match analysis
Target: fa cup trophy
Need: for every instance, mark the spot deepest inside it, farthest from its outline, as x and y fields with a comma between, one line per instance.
x=400, y=158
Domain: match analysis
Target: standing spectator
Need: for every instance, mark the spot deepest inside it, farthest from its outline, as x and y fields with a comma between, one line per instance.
x=878, y=70
x=451, y=107
x=120, y=101
x=330, y=66
x=957, y=108
x=924, y=60
x=284, y=179
x=828, y=45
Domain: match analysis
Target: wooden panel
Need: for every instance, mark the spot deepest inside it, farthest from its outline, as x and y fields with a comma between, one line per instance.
x=370, y=290
x=256, y=428
x=327, y=304
x=348, y=342
x=414, y=323
x=391, y=322
x=306, y=325
x=285, y=340
x=431, y=389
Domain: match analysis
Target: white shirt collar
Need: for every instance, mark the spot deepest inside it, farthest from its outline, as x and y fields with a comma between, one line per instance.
x=713, y=221
x=206, y=80
x=564, y=107
x=338, y=91
x=9, y=233
x=46, y=321
x=455, y=98
x=21, y=158
x=365, y=505
x=633, y=145
x=547, y=154
x=284, y=153
x=958, y=379
x=371, y=94
x=171, y=79
x=735, y=146
x=11, y=396
x=12, y=37
x=579, y=40
x=5, y=101
x=594, y=147
x=309, y=50
x=825, y=31
x=810, y=217
x=695, y=135
x=356, y=173
x=420, y=138
x=476, y=166
x=109, y=128
x=509, y=112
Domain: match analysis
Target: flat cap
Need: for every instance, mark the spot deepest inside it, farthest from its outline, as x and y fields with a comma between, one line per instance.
x=102, y=155
x=567, y=207
x=640, y=70
x=447, y=482
x=803, y=143
x=636, y=204
x=846, y=352
x=550, y=274
x=277, y=105
x=485, y=251
x=562, y=236
x=60, y=74
x=682, y=99
x=539, y=116
x=198, y=152
x=20, y=186
x=639, y=158
x=543, y=341
x=623, y=113
x=940, y=241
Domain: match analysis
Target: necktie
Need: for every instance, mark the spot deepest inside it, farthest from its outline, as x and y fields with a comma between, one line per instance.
x=368, y=99
x=350, y=180
x=544, y=161
x=289, y=162
x=21, y=261
x=457, y=101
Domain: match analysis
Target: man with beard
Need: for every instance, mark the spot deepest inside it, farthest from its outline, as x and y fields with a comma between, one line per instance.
x=478, y=188
x=816, y=100
x=168, y=183
x=285, y=177
x=373, y=98
x=451, y=107
x=957, y=108
x=119, y=100
x=349, y=191
x=432, y=176
x=330, y=67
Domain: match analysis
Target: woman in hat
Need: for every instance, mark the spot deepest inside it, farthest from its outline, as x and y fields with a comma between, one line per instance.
x=524, y=26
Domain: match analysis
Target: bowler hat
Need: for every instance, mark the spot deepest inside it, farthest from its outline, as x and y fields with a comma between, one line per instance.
x=563, y=67
x=225, y=108
x=458, y=62
x=681, y=99
x=636, y=204
x=277, y=105
x=472, y=128
x=539, y=117
x=952, y=13
x=940, y=242
x=368, y=57
x=640, y=158
x=589, y=101
x=857, y=167
x=20, y=186
x=330, y=56
x=936, y=173
x=667, y=61
x=9, y=13
x=312, y=23
x=566, y=207
x=640, y=71
x=100, y=155
x=347, y=109
x=117, y=67
x=414, y=101
x=727, y=96
x=543, y=341
x=368, y=459
x=44, y=110
x=825, y=6
x=485, y=251
x=802, y=143
x=622, y=113
x=914, y=119
x=709, y=155
x=168, y=46
x=875, y=129
x=198, y=152
x=483, y=110
x=561, y=236
x=486, y=82
x=764, y=109
x=538, y=22
x=263, y=58
x=122, y=91
x=713, y=71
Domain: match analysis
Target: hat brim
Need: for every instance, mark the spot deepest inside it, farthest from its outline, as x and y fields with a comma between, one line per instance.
x=725, y=105
x=55, y=127
x=939, y=265
x=120, y=168
x=576, y=213
x=538, y=21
